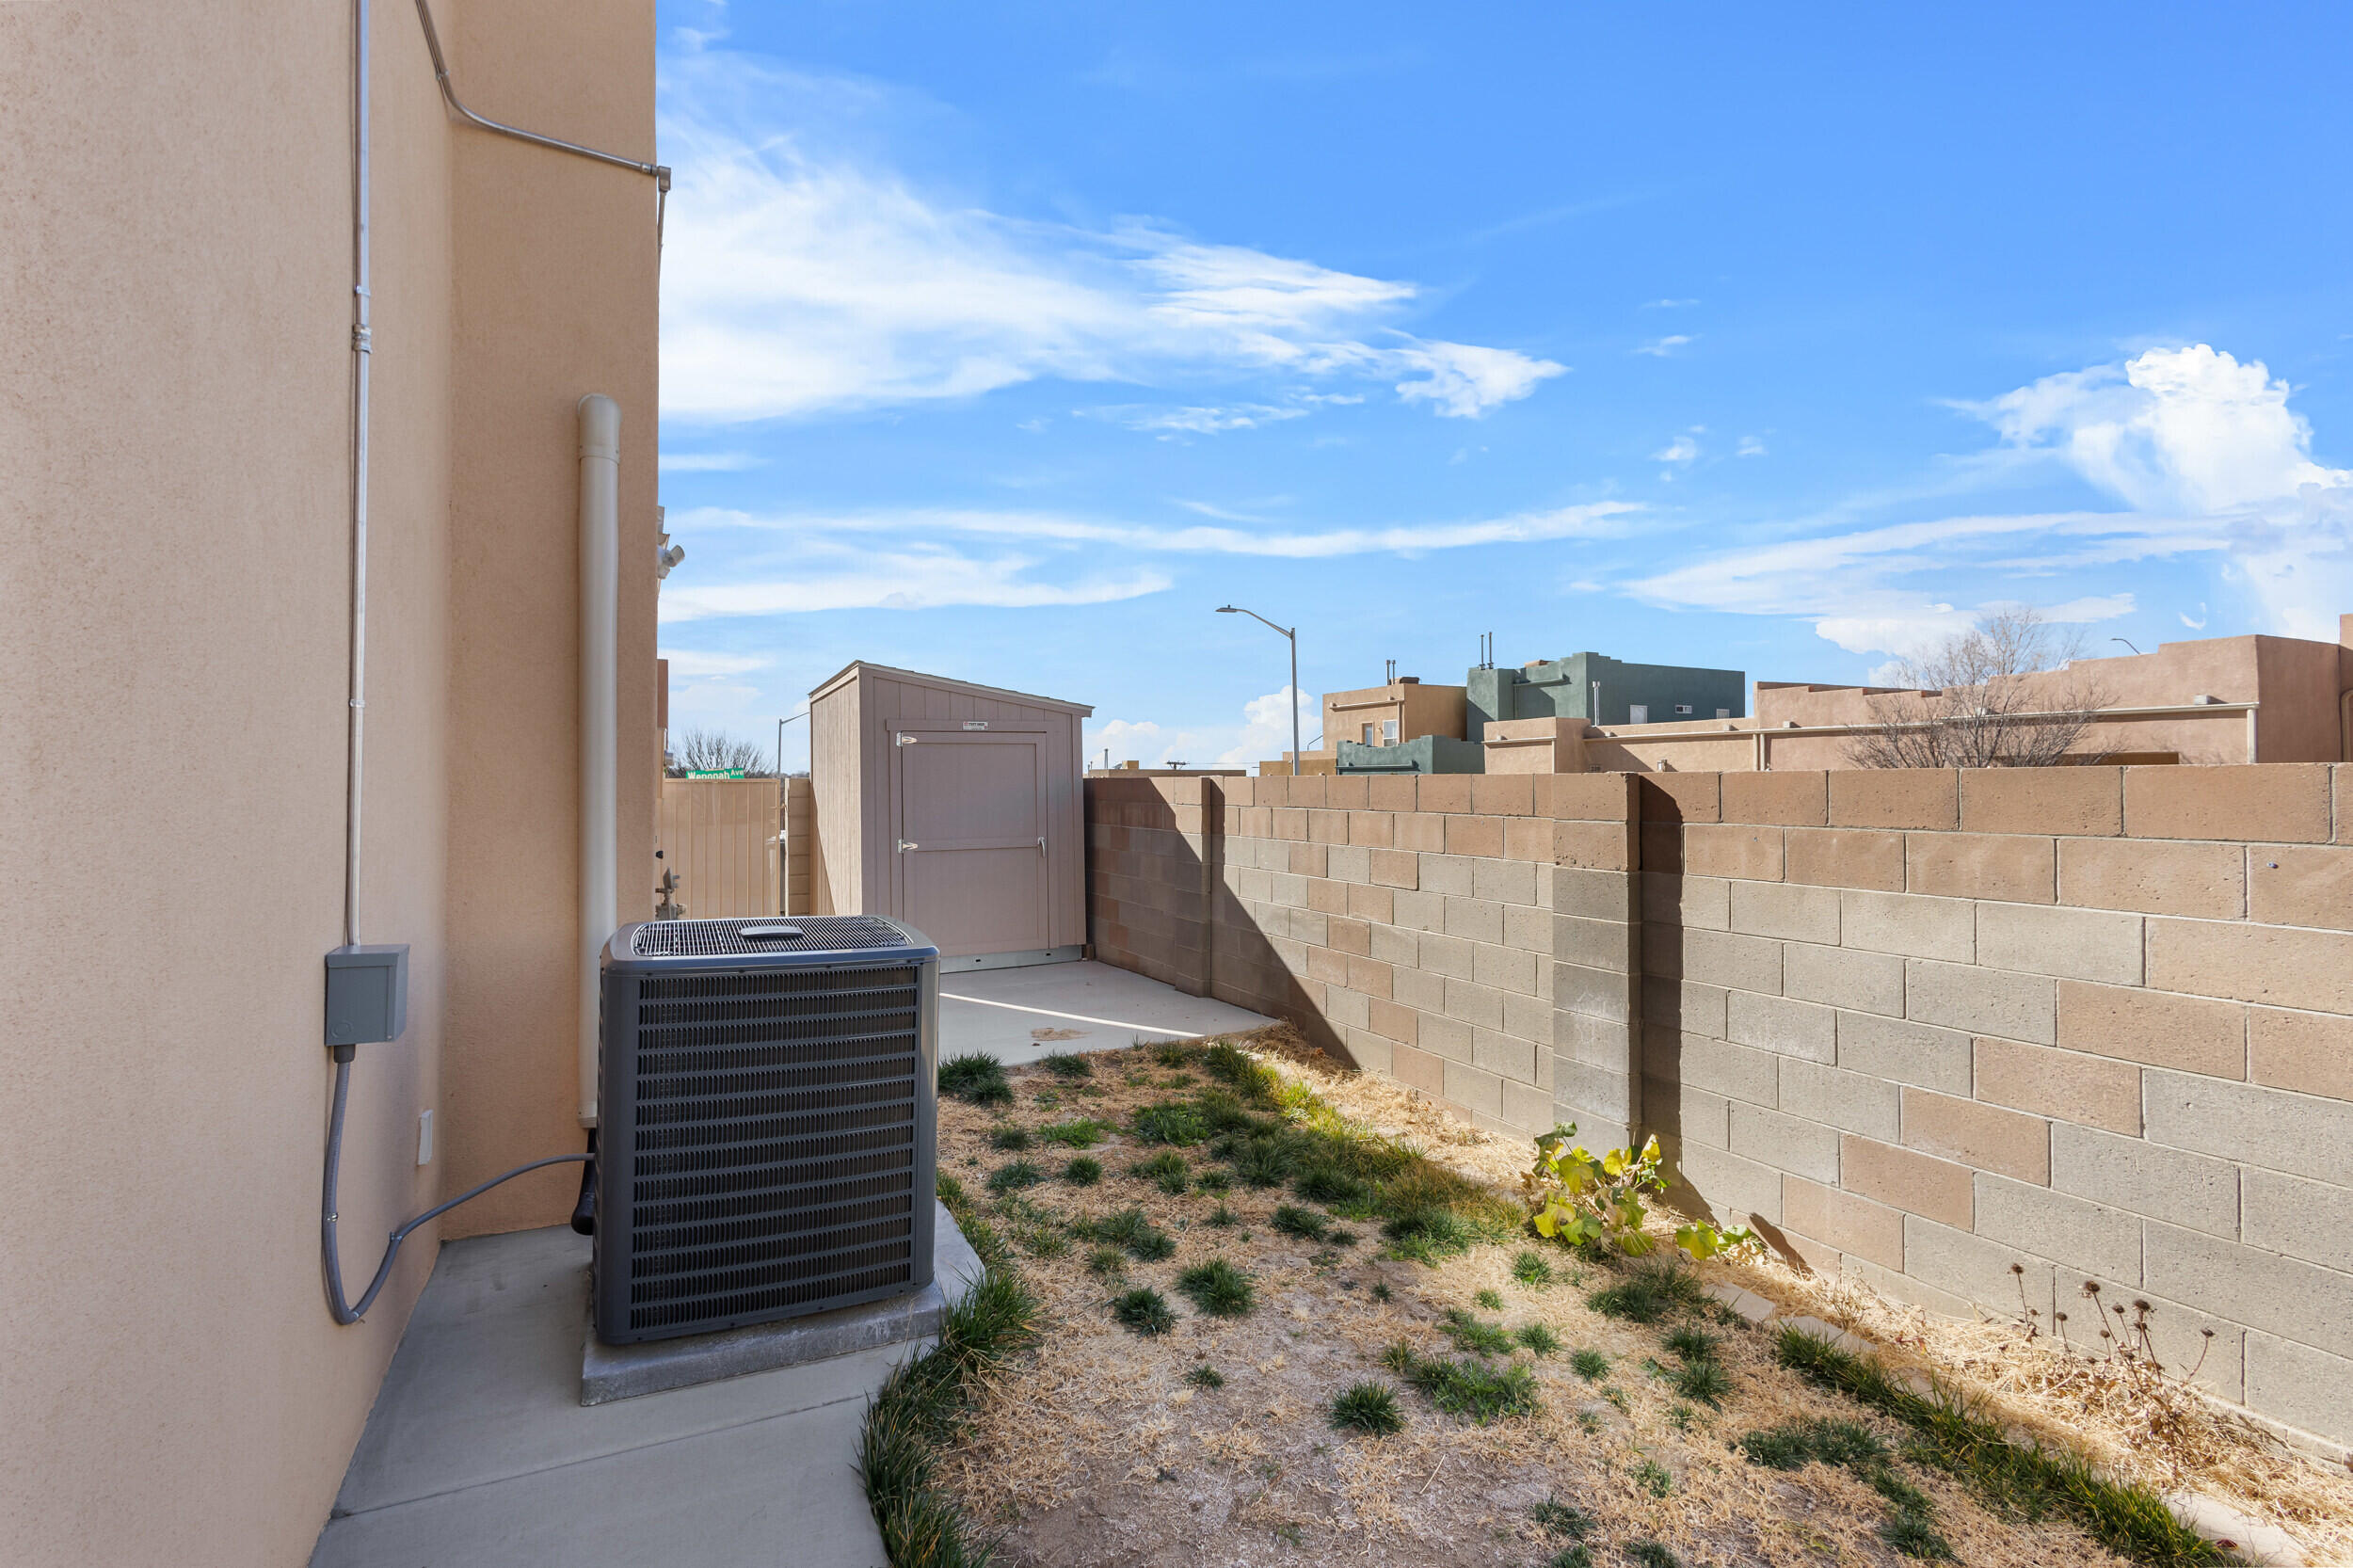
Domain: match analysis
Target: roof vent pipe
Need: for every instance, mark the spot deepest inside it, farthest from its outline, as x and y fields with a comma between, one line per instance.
x=600, y=616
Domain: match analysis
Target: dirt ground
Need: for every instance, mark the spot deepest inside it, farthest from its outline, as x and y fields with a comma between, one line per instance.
x=1098, y=1450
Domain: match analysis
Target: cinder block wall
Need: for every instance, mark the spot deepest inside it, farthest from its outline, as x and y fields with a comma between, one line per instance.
x=2087, y=1023
x=1406, y=922
x=2091, y=1023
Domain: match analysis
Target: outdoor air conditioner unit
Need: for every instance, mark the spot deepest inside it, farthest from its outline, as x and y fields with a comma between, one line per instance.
x=768, y=1141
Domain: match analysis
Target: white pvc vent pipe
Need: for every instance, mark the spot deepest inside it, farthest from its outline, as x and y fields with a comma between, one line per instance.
x=600, y=731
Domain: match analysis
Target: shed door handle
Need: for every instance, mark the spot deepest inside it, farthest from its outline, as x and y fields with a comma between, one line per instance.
x=906, y=845
x=1040, y=843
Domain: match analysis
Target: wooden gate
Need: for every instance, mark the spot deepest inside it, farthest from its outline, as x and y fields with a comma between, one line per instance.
x=720, y=835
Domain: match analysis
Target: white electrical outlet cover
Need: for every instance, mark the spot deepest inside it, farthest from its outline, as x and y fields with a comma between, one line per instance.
x=425, y=1137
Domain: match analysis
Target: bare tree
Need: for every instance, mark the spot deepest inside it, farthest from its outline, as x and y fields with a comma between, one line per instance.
x=701, y=750
x=1997, y=695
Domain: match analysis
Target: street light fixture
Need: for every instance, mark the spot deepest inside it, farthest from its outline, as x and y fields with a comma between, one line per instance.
x=1292, y=633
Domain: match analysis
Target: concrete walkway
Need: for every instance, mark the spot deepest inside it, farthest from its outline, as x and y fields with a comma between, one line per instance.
x=1017, y=1016
x=479, y=1454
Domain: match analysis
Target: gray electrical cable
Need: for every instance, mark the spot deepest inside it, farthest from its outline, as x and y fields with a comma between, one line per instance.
x=345, y=1311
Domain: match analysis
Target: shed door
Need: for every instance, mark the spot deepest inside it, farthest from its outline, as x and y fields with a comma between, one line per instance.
x=969, y=854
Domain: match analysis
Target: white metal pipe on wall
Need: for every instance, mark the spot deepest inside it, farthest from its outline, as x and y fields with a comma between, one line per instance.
x=361, y=353
x=600, y=619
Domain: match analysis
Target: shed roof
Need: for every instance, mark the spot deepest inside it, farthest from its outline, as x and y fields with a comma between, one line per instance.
x=941, y=682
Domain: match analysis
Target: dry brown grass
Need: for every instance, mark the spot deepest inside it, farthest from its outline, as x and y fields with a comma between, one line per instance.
x=1097, y=1451
x=2140, y=1420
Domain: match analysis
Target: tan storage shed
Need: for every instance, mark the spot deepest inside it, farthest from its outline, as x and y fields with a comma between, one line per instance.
x=954, y=808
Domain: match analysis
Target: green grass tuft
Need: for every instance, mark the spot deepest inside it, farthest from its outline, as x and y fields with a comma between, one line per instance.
x=1915, y=1535
x=1589, y=1364
x=1213, y=1181
x=1220, y=1217
x=1472, y=1388
x=1579, y=1555
x=1010, y=1138
x=1063, y=1065
x=1536, y=1339
x=1651, y=1554
x=1704, y=1381
x=1653, y=1479
x=1165, y=1169
x=1327, y=1184
x=1143, y=1311
x=1107, y=1260
x=1170, y=1122
x=1306, y=1224
x=1491, y=1300
x=1079, y=1133
x=1173, y=1053
x=1144, y=1242
x=1012, y=1177
x=919, y=1406
x=2028, y=1482
x=1367, y=1407
x=1531, y=1269
x=1650, y=1292
x=1263, y=1162
x=1206, y=1376
x=1693, y=1344
x=1218, y=1289
x=1085, y=1171
x=1470, y=1333
x=1555, y=1517
x=1255, y=1082
x=976, y=1079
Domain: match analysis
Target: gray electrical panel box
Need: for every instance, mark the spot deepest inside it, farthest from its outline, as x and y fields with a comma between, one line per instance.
x=367, y=993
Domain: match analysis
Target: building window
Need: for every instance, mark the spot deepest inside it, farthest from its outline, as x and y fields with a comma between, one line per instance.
x=1368, y=734
x=1724, y=712
x=1388, y=732
x=1637, y=713
x=1683, y=709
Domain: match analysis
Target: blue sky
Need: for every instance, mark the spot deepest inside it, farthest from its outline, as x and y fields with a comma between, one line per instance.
x=1007, y=341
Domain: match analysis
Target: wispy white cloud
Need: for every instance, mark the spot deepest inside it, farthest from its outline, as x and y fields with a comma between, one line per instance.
x=802, y=277
x=1683, y=449
x=1867, y=590
x=825, y=574
x=1593, y=519
x=1660, y=349
x=2205, y=451
x=692, y=664
x=1171, y=422
x=1667, y=304
x=709, y=462
x=1750, y=446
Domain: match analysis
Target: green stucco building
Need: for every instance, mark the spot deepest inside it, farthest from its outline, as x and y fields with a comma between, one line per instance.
x=1627, y=693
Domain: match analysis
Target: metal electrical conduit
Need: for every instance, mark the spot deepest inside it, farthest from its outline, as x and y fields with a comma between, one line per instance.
x=362, y=350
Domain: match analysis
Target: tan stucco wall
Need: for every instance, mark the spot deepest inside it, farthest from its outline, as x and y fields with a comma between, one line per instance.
x=1418, y=710
x=174, y=472
x=559, y=271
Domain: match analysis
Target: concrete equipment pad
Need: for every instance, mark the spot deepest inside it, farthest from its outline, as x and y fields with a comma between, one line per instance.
x=479, y=1454
x=609, y=1372
x=1017, y=1016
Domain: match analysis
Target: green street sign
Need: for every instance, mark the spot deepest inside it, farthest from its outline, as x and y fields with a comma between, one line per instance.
x=714, y=773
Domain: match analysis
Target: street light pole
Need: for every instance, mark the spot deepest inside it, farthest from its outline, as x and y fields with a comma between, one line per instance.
x=1292, y=633
x=780, y=724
